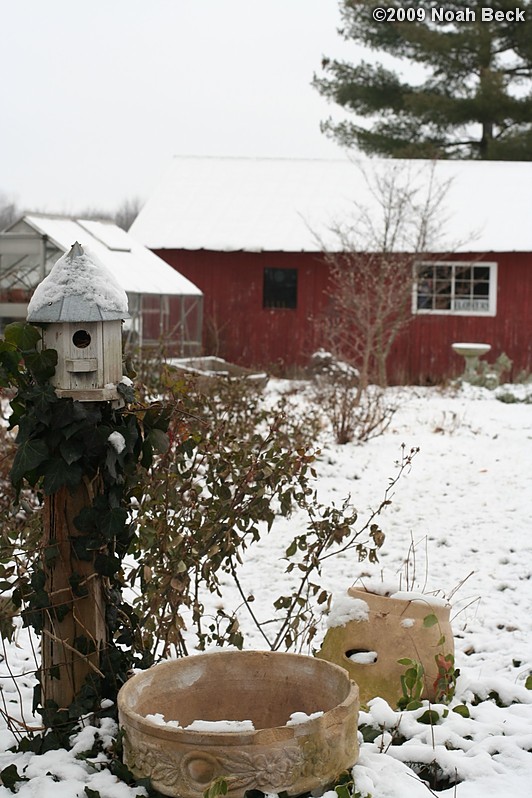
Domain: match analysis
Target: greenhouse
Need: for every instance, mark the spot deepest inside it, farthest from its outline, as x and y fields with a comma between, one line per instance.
x=166, y=308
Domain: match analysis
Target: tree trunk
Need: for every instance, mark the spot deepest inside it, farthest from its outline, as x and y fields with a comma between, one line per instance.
x=486, y=140
x=64, y=668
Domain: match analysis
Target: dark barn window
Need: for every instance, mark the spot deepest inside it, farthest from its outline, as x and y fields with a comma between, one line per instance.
x=280, y=288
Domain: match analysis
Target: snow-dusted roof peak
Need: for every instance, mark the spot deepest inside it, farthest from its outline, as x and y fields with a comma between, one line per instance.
x=134, y=266
x=79, y=288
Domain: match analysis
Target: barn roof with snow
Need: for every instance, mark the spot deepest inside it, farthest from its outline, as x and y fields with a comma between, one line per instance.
x=291, y=205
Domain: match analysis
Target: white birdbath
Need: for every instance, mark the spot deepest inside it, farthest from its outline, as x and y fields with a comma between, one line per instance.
x=471, y=353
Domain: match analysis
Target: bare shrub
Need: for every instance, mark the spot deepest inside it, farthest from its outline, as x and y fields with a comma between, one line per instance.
x=354, y=413
x=373, y=266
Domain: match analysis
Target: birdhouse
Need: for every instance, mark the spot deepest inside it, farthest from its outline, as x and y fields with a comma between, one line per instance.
x=80, y=307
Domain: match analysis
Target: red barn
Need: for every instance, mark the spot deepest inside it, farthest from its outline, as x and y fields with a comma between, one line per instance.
x=253, y=233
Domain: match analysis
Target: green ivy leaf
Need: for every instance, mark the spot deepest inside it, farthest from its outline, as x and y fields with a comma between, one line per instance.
x=77, y=583
x=113, y=523
x=216, y=788
x=18, y=407
x=8, y=349
x=38, y=579
x=147, y=455
x=9, y=360
x=61, y=611
x=406, y=661
x=73, y=417
x=106, y=565
x=26, y=429
x=462, y=710
x=42, y=398
x=30, y=454
x=58, y=474
x=342, y=791
x=71, y=450
x=121, y=771
x=159, y=440
x=291, y=550
x=42, y=364
x=51, y=554
x=87, y=520
x=430, y=620
x=85, y=646
x=10, y=776
x=430, y=717
x=23, y=335
x=528, y=683
x=411, y=677
x=369, y=733
x=157, y=417
x=84, y=547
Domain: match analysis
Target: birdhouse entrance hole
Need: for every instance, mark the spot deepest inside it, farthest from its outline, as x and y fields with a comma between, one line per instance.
x=81, y=339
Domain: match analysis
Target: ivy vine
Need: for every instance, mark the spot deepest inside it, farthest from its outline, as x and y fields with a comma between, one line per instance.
x=60, y=444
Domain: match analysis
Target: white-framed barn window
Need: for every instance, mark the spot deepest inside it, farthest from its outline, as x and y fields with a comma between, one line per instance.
x=457, y=287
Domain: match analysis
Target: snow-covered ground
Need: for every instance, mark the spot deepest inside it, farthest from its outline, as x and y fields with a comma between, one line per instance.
x=466, y=505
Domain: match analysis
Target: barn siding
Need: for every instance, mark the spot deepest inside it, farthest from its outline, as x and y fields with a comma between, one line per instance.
x=423, y=352
x=238, y=328
x=236, y=325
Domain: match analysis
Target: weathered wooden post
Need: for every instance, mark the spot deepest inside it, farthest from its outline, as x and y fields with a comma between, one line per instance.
x=80, y=308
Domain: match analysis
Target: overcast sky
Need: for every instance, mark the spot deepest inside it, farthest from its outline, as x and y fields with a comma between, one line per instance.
x=98, y=95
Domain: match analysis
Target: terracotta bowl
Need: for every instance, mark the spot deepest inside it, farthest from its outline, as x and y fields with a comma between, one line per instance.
x=259, y=686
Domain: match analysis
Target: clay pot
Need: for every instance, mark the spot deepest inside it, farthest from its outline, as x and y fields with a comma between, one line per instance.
x=261, y=686
x=394, y=629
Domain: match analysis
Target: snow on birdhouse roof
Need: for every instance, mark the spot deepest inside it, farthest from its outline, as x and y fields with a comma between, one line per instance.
x=292, y=205
x=79, y=288
x=134, y=267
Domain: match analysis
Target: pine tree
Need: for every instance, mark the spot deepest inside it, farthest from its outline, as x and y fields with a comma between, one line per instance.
x=474, y=99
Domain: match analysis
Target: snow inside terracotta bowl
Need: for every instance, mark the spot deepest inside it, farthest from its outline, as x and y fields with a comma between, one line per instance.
x=262, y=720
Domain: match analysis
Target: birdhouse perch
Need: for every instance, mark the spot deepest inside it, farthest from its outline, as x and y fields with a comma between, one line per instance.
x=80, y=307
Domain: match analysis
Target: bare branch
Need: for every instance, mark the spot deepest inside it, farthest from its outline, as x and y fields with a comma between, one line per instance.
x=372, y=265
